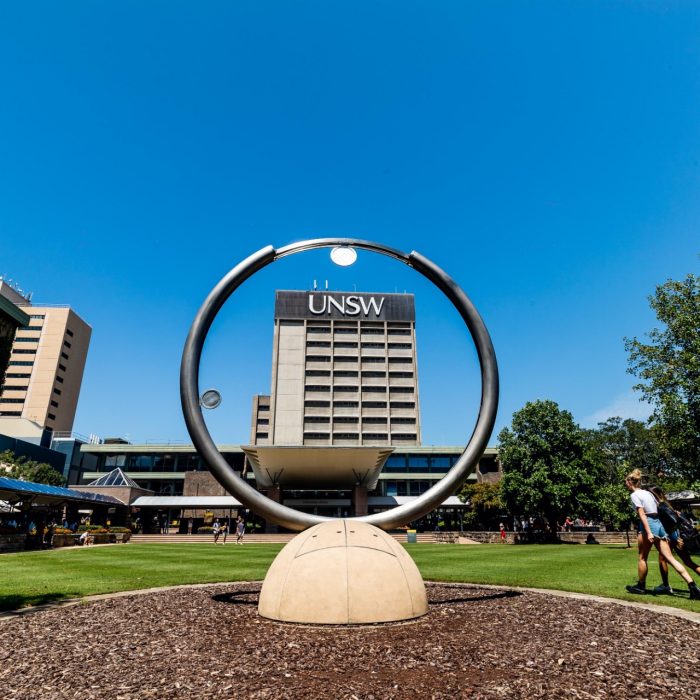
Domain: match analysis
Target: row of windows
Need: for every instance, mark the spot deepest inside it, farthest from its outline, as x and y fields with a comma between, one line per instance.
x=11, y=400
x=354, y=331
x=25, y=339
x=320, y=403
x=18, y=375
x=14, y=387
x=14, y=414
x=356, y=436
x=369, y=420
x=353, y=344
x=20, y=351
x=20, y=363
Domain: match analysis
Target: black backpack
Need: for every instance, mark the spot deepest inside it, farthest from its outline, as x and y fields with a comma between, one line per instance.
x=668, y=517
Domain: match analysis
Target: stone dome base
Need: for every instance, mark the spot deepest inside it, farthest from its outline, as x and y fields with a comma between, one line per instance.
x=343, y=572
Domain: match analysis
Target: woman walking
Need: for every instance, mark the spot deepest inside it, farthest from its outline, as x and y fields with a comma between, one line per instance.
x=675, y=540
x=652, y=533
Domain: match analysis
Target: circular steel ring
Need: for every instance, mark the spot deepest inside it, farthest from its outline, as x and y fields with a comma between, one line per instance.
x=288, y=517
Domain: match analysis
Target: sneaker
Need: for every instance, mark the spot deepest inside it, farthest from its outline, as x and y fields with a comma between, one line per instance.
x=694, y=591
x=636, y=589
x=663, y=590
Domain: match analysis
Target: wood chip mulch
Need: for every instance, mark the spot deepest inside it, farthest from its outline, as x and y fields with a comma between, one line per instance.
x=205, y=643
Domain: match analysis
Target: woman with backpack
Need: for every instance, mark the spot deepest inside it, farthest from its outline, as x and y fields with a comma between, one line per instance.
x=652, y=533
x=673, y=523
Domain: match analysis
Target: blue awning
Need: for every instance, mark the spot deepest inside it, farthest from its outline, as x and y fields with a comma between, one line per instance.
x=15, y=489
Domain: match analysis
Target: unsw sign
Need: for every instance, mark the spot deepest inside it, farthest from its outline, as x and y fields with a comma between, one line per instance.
x=348, y=305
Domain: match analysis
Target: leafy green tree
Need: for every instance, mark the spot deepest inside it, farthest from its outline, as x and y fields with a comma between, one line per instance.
x=669, y=367
x=546, y=466
x=486, y=504
x=29, y=470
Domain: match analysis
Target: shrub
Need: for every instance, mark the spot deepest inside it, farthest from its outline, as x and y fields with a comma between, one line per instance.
x=62, y=531
x=93, y=529
x=206, y=530
x=120, y=529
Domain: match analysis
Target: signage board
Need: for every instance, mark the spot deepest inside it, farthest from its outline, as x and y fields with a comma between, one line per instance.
x=351, y=306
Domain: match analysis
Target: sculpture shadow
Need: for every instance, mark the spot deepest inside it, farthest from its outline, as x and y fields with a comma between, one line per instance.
x=477, y=598
x=236, y=597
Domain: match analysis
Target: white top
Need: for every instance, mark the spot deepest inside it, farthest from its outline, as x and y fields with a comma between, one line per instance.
x=644, y=499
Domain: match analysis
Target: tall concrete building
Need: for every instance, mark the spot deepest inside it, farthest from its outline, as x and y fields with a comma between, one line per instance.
x=45, y=370
x=344, y=372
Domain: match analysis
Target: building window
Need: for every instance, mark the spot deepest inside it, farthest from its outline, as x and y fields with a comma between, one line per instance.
x=18, y=363
x=401, y=375
x=318, y=358
x=345, y=344
x=38, y=316
x=346, y=389
x=318, y=329
x=317, y=404
x=400, y=360
x=345, y=373
x=401, y=389
x=17, y=351
x=51, y=416
x=373, y=360
x=57, y=391
x=260, y=436
x=374, y=404
x=345, y=358
x=404, y=421
x=374, y=420
x=67, y=344
x=11, y=400
x=14, y=387
x=373, y=373
x=399, y=331
x=64, y=356
x=318, y=387
x=318, y=343
x=15, y=375
x=345, y=330
x=291, y=322
x=376, y=389
x=59, y=380
x=345, y=436
x=345, y=419
x=62, y=367
x=402, y=404
x=15, y=414
x=402, y=346
x=24, y=339
x=318, y=373
x=375, y=436
x=373, y=345
x=372, y=331
x=70, y=332
x=317, y=419
x=263, y=421
x=345, y=404
x=316, y=436
x=54, y=404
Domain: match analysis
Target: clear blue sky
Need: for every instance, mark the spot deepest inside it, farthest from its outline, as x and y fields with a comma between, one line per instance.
x=546, y=154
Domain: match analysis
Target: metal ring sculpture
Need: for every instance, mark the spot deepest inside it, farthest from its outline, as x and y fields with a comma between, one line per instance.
x=283, y=515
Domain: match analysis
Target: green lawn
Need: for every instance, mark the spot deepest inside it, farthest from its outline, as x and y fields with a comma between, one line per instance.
x=35, y=577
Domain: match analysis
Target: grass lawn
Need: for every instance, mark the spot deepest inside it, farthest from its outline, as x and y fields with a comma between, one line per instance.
x=31, y=578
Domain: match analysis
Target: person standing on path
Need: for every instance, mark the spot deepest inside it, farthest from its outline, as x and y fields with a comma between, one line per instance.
x=651, y=534
x=502, y=528
x=240, y=529
x=216, y=529
x=223, y=532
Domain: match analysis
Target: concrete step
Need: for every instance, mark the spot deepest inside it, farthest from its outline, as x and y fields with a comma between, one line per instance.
x=250, y=538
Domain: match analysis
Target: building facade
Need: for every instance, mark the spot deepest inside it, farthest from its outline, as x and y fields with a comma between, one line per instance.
x=45, y=368
x=344, y=372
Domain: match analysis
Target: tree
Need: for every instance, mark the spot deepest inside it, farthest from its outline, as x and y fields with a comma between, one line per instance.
x=669, y=367
x=617, y=446
x=546, y=467
x=486, y=504
x=29, y=470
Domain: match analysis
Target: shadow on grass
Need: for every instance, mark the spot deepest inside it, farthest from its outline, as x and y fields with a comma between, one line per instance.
x=237, y=598
x=477, y=598
x=17, y=601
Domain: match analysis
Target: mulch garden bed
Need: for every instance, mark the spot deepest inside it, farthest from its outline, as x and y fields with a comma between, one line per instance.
x=203, y=643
